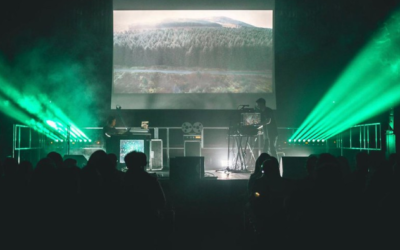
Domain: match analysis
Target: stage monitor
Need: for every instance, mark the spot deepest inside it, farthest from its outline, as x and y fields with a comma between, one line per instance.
x=127, y=146
x=192, y=59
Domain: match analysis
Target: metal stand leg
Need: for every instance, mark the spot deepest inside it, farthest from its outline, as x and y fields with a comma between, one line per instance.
x=240, y=159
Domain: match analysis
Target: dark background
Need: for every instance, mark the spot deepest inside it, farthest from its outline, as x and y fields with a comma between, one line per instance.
x=314, y=42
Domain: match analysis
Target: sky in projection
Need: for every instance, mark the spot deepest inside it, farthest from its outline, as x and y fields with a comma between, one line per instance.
x=122, y=21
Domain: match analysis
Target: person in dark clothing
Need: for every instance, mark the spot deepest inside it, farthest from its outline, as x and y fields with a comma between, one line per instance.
x=267, y=202
x=143, y=200
x=57, y=159
x=110, y=129
x=257, y=171
x=140, y=184
x=270, y=128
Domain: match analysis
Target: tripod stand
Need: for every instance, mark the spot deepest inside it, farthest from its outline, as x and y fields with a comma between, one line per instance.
x=243, y=126
x=240, y=155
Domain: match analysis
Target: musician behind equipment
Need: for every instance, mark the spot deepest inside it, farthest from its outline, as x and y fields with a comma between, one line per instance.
x=110, y=130
x=270, y=129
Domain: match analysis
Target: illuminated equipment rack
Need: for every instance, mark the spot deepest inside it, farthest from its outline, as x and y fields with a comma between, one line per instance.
x=243, y=134
x=192, y=145
x=27, y=143
x=213, y=142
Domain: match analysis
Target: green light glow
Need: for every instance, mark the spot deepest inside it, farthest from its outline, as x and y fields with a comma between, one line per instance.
x=29, y=105
x=11, y=110
x=52, y=124
x=369, y=86
x=26, y=88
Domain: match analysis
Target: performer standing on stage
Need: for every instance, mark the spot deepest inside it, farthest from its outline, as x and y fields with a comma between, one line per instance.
x=270, y=129
x=110, y=129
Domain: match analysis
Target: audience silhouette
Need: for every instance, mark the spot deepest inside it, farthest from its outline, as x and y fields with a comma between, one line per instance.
x=257, y=171
x=267, y=201
x=332, y=206
x=140, y=185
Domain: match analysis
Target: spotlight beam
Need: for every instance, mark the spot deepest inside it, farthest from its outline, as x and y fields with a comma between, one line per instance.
x=349, y=108
x=368, y=86
x=37, y=106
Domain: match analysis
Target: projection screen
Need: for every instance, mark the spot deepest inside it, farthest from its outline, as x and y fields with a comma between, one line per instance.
x=192, y=59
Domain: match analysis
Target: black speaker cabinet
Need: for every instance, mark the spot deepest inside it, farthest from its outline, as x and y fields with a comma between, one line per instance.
x=186, y=168
x=293, y=167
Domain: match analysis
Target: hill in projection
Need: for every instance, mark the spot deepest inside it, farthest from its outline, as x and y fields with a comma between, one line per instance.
x=215, y=55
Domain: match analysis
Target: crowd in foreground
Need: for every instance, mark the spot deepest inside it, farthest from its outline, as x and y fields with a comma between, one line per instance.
x=59, y=204
x=331, y=207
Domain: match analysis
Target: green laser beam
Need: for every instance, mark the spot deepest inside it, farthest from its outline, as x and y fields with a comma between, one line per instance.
x=368, y=86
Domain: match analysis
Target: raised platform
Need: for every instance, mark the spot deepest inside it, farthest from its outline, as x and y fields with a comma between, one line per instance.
x=220, y=175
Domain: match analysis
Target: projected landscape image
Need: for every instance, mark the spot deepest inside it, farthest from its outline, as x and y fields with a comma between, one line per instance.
x=192, y=52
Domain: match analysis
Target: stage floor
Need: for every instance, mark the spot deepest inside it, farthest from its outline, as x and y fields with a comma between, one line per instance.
x=210, y=175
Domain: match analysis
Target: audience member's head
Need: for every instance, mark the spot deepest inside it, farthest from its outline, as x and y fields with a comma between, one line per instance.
x=311, y=164
x=377, y=160
x=100, y=161
x=57, y=159
x=10, y=166
x=44, y=176
x=326, y=158
x=344, y=166
x=25, y=168
x=135, y=160
x=362, y=162
x=263, y=157
x=270, y=168
x=73, y=164
x=45, y=166
x=113, y=160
